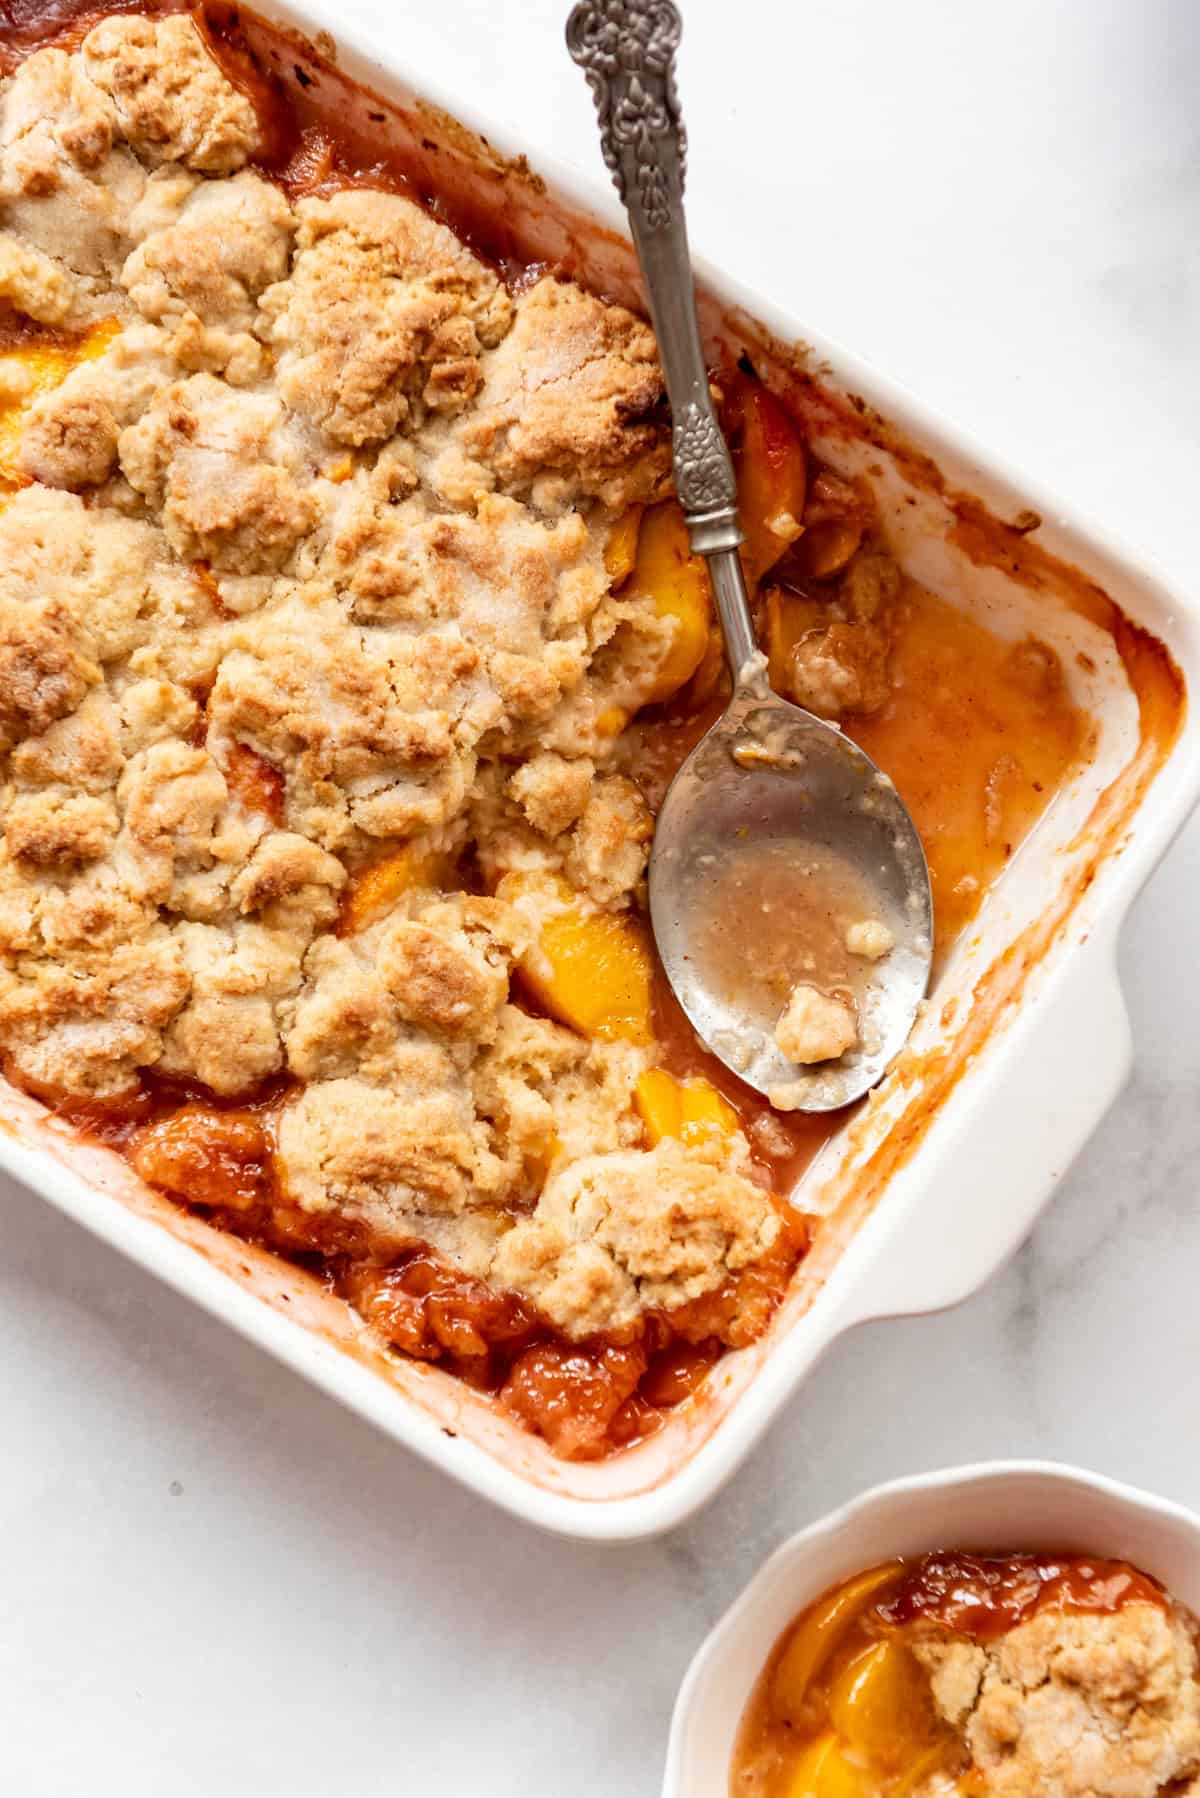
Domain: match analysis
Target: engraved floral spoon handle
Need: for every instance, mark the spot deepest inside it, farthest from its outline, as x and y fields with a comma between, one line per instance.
x=627, y=48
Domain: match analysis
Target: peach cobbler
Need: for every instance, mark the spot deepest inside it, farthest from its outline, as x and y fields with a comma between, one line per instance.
x=971, y=1676
x=348, y=637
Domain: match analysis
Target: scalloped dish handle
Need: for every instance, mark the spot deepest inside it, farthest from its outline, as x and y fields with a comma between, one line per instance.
x=1060, y=1065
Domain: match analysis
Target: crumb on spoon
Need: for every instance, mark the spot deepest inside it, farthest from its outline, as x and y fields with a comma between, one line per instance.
x=815, y=1027
x=870, y=938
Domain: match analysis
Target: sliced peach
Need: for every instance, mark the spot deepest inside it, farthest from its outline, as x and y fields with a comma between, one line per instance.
x=772, y=475
x=835, y=518
x=620, y=552
x=590, y=970
x=96, y=339
x=689, y=1109
x=880, y=1705
x=825, y=549
x=788, y=619
x=376, y=888
x=707, y=677
x=257, y=784
x=677, y=581
x=705, y=1111
x=46, y=365
x=659, y=1100
x=823, y=1771
x=611, y=721
x=813, y=1639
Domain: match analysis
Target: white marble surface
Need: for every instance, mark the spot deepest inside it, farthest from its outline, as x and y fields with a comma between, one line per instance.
x=214, y=1581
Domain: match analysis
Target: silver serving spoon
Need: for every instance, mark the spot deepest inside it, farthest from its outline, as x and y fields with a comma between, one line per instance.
x=775, y=814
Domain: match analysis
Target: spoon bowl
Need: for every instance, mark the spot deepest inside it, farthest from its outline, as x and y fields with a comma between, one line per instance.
x=775, y=829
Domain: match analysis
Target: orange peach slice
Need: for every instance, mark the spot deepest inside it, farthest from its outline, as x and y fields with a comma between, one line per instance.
x=677, y=581
x=823, y=1771
x=772, y=476
x=689, y=1109
x=788, y=619
x=811, y=1644
x=590, y=970
x=376, y=888
x=45, y=366
x=880, y=1705
x=620, y=552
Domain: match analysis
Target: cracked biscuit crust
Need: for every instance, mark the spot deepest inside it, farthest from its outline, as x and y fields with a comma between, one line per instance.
x=614, y=1235
x=571, y=408
x=1075, y=1705
x=308, y=582
x=385, y=1139
x=384, y=317
x=228, y=241
x=70, y=433
x=170, y=100
x=67, y=191
x=367, y=726
x=226, y=473
x=77, y=135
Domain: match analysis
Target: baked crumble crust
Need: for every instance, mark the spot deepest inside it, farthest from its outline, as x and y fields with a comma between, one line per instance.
x=225, y=470
x=170, y=101
x=310, y=573
x=571, y=408
x=1076, y=1704
x=815, y=1027
x=383, y=318
x=217, y=247
x=603, y=846
x=78, y=135
x=67, y=190
x=71, y=432
x=615, y=1235
x=842, y=665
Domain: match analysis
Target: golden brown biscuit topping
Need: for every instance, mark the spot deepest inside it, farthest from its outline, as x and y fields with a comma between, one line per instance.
x=333, y=571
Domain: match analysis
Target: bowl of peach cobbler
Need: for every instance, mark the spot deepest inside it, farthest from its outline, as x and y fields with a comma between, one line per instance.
x=1053, y=1657
x=349, y=637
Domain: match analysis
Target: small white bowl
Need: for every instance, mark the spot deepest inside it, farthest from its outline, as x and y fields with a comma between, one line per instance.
x=996, y=1505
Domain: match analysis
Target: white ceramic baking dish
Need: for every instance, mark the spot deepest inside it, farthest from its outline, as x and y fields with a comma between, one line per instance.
x=1026, y=1041
x=1001, y=1506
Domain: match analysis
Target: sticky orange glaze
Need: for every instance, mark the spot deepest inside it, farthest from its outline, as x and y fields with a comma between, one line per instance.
x=588, y=1398
x=983, y=1596
x=932, y=1074
x=978, y=735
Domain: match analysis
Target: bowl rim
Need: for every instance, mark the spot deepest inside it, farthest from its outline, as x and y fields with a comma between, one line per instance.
x=1136, y=1501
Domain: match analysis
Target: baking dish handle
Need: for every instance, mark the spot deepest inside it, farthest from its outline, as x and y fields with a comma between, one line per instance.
x=1062, y=1062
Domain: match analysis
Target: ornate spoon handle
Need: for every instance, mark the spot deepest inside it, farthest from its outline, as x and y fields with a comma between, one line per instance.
x=627, y=48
